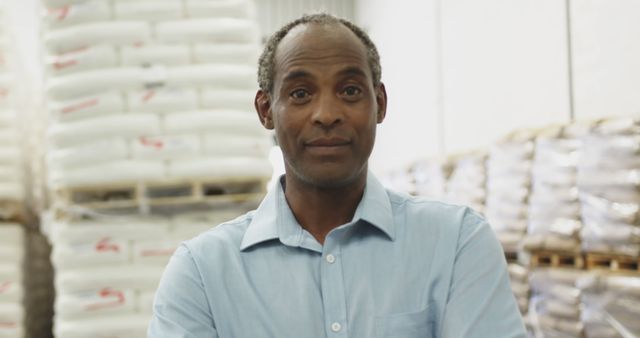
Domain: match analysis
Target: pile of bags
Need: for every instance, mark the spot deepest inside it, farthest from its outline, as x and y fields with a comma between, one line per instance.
x=609, y=187
x=467, y=182
x=12, y=291
x=148, y=91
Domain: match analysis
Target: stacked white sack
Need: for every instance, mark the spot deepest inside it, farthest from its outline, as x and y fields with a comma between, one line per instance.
x=555, y=309
x=554, y=208
x=430, y=178
x=609, y=187
x=611, y=305
x=12, y=312
x=107, y=271
x=519, y=277
x=148, y=91
x=11, y=180
x=508, y=186
x=467, y=183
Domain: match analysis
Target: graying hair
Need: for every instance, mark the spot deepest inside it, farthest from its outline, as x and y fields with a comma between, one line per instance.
x=266, y=61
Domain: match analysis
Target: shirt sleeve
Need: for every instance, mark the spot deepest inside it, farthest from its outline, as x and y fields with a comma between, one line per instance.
x=480, y=303
x=181, y=308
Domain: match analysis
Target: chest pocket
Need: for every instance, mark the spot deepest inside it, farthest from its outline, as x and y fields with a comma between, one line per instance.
x=405, y=325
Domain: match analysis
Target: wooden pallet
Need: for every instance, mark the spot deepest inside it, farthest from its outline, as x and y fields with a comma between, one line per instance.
x=556, y=259
x=511, y=256
x=612, y=262
x=132, y=195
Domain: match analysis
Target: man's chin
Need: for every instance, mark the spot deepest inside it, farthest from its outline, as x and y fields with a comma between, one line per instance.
x=331, y=179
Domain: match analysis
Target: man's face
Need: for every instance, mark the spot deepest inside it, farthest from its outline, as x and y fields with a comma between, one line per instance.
x=323, y=106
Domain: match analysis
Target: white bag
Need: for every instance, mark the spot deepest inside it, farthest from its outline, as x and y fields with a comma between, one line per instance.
x=73, y=14
x=124, y=125
x=154, y=252
x=221, y=168
x=11, y=234
x=167, y=147
x=101, y=252
x=9, y=155
x=146, y=55
x=216, y=98
x=223, y=144
x=88, y=106
x=11, y=191
x=95, y=152
x=219, y=76
x=149, y=10
x=227, y=121
x=122, y=228
x=96, y=81
x=12, y=315
x=163, y=100
x=246, y=53
x=11, y=291
x=145, y=302
x=220, y=8
x=208, y=30
x=117, y=277
x=127, y=171
x=81, y=60
x=125, y=326
x=95, y=303
x=97, y=33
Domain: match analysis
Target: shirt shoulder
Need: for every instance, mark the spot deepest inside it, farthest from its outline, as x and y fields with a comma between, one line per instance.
x=457, y=222
x=226, y=236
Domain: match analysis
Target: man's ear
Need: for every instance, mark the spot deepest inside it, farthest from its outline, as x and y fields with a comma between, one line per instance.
x=262, y=102
x=381, y=100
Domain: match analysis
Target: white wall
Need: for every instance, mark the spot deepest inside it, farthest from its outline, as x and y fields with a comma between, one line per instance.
x=606, y=54
x=504, y=66
x=404, y=32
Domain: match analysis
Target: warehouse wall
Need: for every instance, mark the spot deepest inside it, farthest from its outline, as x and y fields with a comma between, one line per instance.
x=406, y=40
x=478, y=70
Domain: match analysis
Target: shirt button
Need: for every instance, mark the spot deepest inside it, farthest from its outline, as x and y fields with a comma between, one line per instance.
x=330, y=258
x=335, y=327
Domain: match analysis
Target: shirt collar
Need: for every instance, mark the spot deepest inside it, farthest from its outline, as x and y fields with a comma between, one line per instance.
x=274, y=219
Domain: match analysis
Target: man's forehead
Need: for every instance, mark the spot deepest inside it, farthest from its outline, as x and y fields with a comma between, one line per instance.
x=315, y=41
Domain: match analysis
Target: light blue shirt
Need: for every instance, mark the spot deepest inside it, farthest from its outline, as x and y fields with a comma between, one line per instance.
x=403, y=267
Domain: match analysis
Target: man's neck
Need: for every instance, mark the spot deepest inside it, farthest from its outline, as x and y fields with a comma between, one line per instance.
x=320, y=210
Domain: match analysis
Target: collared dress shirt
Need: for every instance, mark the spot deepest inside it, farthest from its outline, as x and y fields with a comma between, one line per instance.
x=402, y=268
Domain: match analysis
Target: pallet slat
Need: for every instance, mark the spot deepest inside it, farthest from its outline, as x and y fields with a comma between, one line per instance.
x=613, y=262
x=557, y=259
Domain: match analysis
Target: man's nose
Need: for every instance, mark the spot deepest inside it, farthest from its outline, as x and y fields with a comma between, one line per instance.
x=327, y=112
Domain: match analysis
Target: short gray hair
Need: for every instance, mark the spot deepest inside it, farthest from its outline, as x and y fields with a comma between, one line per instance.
x=266, y=61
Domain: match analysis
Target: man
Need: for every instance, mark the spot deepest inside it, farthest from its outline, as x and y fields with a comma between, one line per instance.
x=330, y=252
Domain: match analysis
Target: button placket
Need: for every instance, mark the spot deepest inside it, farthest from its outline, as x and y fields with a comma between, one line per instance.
x=333, y=294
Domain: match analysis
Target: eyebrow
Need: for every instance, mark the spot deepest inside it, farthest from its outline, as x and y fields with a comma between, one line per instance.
x=296, y=74
x=353, y=71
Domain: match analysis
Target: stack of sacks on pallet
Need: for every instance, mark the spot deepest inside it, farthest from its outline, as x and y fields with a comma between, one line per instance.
x=611, y=305
x=12, y=312
x=519, y=277
x=430, y=178
x=107, y=270
x=508, y=186
x=39, y=293
x=554, y=208
x=467, y=183
x=11, y=184
x=609, y=187
x=555, y=308
x=399, y=180
x=149, y=91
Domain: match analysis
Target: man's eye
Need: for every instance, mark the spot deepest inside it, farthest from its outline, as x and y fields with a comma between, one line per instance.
x=351, y=91
x=299, y=94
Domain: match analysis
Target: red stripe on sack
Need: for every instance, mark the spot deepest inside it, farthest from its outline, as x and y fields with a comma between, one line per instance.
x=151, y=143
x=4, y=286
x=157, y=252
x=108, y=293
x=81, y=105
x=105, y=245
x=148, y=95
x=61, y=65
